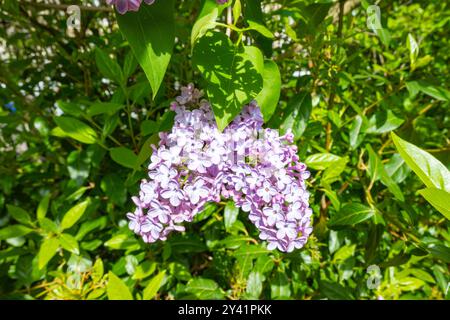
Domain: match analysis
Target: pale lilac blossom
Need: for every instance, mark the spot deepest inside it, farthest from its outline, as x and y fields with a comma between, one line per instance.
x=195, y=163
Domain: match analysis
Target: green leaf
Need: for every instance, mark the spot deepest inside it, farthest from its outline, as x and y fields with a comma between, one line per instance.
x=153, y=286
x=48, y=249
x=230, y=215
x=344, y=253
x=71, y=108
x=148, y=127
x=43, y=207
x=422, y=275
x=432, y=172
x=351, y=214
x=312, y=16
x=144, y=270
x=146, y=149
x=397, y=169
x=377, y=169
x=206, y=20
x=279, y=286
x=334, y=291
x=121, y=241
x=439, y=199
x=433, y=91
x=321, y=161
x=48, y=225
x=253, y=25
x=297, y=113
x=69, y=243
x=251, y=251
x=129, y=65
x=19, y=214
x=333, y=197
x=108, y=67
x=97, y=270
x=151, y=35
x=254, y=284
x=389, y=122
x=104, y=107
x=124, y=156
x=270, y=94
x=354, y=135
x=233, y=74
x=413, y=47
x=237, y=9
x=410, y=284
x=439, y=251
x=90, y=225
x=332, y=173
x=384, y=35
x=116, y=289
x=14, y=231
x=204, y=288
x=76, y=129
x=74, y=214
x=187, y=245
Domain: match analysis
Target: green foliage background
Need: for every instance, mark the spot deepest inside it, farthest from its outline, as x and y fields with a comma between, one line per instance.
x=74, y=151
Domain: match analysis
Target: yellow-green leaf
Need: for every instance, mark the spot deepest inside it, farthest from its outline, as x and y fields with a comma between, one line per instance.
x=74, y=214
x=153, y=286
x=48, y=249
x=116, y=289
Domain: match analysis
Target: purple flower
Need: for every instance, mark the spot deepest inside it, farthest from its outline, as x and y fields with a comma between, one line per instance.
x=123, y=6
x=152, y=227
x=136, y=220
x=148, y=192
x=266, y=192
x=163, y=174
x=197, y=191
x=171, y=156
x=199, y=162
x=273, y=214
x=173, y=193
x=286, y=229
x=196, y=163
x=159, y=212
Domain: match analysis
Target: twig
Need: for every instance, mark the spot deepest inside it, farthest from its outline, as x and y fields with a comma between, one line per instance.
x=333, y=91
x=64, y=7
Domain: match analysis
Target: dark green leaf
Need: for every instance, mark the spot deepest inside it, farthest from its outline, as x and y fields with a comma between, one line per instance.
x=19, y=214
x=233, y=74
x=124, y=156
x=14, y=231
x=151, y=35
x=352, y=214
x=76, y=129
x=230, y=214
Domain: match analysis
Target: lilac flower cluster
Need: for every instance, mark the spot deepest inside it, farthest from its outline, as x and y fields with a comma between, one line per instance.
x=123, y=6
x=195, y=163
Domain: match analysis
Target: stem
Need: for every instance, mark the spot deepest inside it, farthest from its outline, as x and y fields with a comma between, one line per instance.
x=328, y=141
x=229, y=21
x=64, y=7
x=130, y=123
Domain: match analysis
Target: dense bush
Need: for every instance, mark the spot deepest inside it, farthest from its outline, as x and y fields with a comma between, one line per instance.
x=79, y=111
